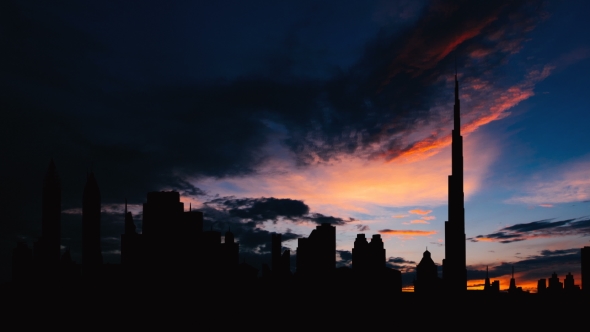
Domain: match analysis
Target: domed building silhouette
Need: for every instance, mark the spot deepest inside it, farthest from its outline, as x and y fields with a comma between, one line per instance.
x=427, y=280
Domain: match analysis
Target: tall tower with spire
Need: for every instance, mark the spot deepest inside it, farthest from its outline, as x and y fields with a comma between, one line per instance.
x=454, y=264
x=91, y=252
x=51, y=217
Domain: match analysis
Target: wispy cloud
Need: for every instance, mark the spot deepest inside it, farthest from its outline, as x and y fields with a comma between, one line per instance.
x=537, y=229
x=406, y=232
x=569, y=182
x=420, y=211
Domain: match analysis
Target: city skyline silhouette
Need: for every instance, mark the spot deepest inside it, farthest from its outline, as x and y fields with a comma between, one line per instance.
x=173, y=247
x=281, y=118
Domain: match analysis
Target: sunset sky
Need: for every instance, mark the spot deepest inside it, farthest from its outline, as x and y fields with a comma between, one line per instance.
x=276, y=116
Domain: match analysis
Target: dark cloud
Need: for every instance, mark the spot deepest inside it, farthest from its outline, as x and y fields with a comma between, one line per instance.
x=362, y=228
x=537, y=229
x=259, y=210
x=399, y=260
x=345, y=258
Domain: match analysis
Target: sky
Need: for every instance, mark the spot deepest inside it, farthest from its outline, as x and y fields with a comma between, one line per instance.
x=277, y=116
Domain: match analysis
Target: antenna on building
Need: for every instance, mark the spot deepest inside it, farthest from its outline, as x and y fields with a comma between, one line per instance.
x=125, y=206
x=455, y=64
x=190, y=207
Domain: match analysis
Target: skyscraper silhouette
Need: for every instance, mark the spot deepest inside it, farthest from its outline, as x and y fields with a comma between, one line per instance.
x=585, y=257
x=454, y=264
x=51, y=218
x=316, y=254
x=487, y=286
x=91, y=252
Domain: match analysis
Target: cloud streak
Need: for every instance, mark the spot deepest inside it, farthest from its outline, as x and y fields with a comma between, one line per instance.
x=537, y=229
x=406, y=232
x=567, y=183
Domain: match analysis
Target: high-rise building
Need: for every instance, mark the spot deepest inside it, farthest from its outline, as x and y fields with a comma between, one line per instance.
x=131, y=243
x=541, y=286
x=487, y=286
x=555, y=286
x=569, y=284
x=513, y=289
x=454, y=264
x=585, y=253
x=368, y=256
x=91, y=252
x=360, y=253
x=275, y=253
x=49, y=244
x=316, y=254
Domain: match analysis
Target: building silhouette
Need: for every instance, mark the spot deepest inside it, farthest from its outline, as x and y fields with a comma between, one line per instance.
x=368, y=256
x=496, y=286
x=427, y=280
x=585, y=261
x=454, y=263
x=132, y=247
x=541, y=286
x=50, y=241
x=316, y=254
x=555, y=286
x=91, y=205
x=569, y=285
x=280, y=260
x=512, y=288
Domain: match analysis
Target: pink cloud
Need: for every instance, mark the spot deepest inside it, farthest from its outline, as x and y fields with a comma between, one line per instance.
x=420, y=211
x=399, y=216
x=406, y=232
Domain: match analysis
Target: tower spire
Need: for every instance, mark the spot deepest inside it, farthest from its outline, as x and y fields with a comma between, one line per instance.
x=454, y=264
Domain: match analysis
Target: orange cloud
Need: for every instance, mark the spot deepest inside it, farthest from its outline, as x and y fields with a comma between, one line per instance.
x=419, y=221
x=428, y=218
x=420, y=211
x=422, y=53
x=357, y=184
x=546, y=205
x=485, y=103
x=406, y=232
